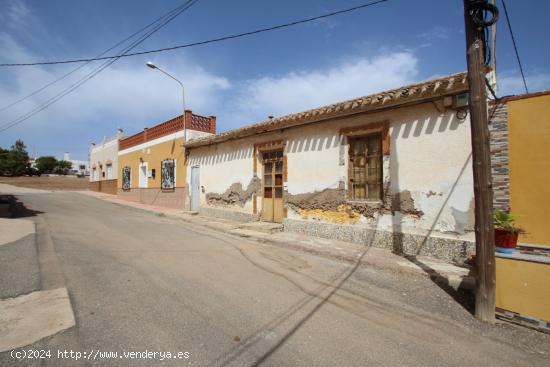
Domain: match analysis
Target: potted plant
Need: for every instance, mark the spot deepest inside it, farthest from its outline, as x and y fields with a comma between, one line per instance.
x=506, y=233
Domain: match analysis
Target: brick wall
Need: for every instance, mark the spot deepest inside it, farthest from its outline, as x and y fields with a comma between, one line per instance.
x=192, y=121
x=498, y=130
x=105, y=186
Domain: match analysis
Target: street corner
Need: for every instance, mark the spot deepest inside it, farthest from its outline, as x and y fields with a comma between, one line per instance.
x=29, y=318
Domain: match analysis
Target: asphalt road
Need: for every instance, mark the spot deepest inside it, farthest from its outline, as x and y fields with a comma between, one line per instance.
x=142, y=282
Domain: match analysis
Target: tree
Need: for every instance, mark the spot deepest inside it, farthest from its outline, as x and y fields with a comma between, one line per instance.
x=46, y=164
x=63, y=167
x=14, y=162
x=3, y=161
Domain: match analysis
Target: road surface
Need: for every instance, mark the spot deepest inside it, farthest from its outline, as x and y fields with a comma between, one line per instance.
x=142, y=282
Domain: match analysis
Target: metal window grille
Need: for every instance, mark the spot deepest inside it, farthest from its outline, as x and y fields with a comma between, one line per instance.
x=126, y=174
x=168, y=178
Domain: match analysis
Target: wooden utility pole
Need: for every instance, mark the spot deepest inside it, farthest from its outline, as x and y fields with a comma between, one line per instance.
x=481, y=159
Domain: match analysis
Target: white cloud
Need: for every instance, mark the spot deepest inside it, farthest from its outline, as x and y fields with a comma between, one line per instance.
x=127, y=94
x=14, y=13
x=297, y=91
x=510, y=84
x=132, y=96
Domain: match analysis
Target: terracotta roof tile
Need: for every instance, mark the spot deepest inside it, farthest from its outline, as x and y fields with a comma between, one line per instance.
x=455, y=83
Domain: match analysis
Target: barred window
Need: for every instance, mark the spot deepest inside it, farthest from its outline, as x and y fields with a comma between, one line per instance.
x=168, y=175
x=126, y=177
x=365, y=156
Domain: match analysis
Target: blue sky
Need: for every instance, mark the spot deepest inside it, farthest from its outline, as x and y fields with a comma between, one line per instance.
x=240, y=81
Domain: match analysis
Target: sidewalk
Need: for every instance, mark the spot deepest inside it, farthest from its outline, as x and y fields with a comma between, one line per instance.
x=442, y=272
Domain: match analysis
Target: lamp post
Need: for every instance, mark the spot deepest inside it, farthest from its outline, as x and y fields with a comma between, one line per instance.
x=153, y=66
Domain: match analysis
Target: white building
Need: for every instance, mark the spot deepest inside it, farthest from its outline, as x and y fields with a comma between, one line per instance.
x=104, y=164
x=78, y=167
x=392, y=169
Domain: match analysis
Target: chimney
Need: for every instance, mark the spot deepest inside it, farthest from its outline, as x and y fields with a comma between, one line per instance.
x=145, y=134
x=188, y=119
x=119, y=133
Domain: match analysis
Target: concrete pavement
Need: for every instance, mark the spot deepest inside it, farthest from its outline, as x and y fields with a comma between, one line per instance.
x=142, y=281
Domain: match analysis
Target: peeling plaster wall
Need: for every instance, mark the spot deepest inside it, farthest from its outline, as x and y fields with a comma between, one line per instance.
x=222, y=166
x=427, y=177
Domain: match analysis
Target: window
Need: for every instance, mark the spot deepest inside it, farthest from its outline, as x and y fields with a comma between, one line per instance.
x=168, y=175
x=365, y=161
x=126, y=175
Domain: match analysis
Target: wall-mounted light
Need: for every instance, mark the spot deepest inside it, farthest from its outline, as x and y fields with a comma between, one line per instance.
x=140, y=159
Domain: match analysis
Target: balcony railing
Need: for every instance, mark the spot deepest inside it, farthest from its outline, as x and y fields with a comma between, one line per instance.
x=194, y=122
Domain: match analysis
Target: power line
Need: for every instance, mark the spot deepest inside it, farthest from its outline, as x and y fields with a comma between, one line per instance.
x=515, y=46
x=225, y=38
x=99, y=55
x=92, y=74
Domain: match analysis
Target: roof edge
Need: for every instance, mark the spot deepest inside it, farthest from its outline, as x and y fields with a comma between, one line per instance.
x=416, y=92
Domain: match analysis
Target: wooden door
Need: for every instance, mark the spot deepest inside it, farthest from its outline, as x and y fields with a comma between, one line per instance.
x=273, y=186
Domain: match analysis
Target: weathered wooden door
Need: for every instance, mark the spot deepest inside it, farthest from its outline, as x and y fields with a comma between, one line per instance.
x=273, y=186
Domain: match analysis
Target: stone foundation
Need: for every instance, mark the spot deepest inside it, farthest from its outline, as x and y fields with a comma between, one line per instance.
x=444, y=248
x=104, y=186
x=176, y=199
x=228, y=214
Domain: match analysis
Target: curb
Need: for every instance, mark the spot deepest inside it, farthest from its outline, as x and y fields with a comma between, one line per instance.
x=447, y=280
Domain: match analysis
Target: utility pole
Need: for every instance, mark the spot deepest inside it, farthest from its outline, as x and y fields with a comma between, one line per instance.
x=481, y=158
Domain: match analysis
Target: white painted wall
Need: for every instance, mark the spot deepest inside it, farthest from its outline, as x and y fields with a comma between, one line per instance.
x=430, y=157
x=102, y=153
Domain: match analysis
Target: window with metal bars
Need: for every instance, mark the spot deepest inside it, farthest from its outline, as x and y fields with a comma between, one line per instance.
x=126, y=176
x=168, y=177
x=365, y=167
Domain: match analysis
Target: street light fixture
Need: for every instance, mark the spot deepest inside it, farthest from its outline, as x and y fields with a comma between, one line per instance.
x=153, y=66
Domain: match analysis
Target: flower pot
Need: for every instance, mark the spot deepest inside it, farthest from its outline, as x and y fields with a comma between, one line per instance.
x=505, y=241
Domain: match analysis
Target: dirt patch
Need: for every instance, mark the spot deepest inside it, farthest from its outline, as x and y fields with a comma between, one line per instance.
x=235, y=194
x=335, y=199
x=56, y=183
x=330, y=200
x=404, y=203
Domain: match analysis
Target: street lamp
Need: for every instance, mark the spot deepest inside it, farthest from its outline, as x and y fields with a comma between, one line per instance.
x=153, y=66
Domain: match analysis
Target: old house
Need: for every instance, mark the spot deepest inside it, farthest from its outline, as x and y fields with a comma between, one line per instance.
x=152, y=162
x=392, y=169
x=104, y=164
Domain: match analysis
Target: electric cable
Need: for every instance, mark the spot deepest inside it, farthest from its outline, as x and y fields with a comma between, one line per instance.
x=92, y=74
x=88, y=62
x=219, y=39
x=515, y=45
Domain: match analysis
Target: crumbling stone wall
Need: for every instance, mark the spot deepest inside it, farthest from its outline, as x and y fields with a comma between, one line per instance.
x=332, y=205
x=235, y=194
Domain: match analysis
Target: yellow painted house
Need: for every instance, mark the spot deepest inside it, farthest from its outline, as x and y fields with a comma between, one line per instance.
x=152, y=162
x=521, y=176
x=529, y=142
